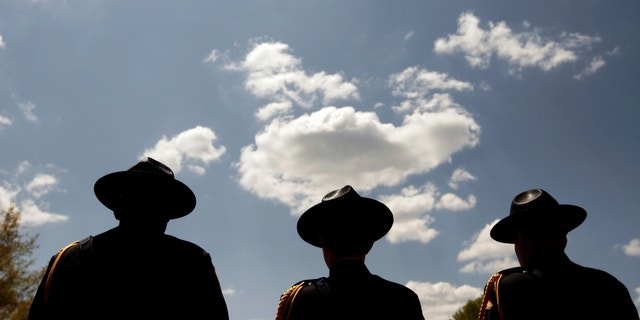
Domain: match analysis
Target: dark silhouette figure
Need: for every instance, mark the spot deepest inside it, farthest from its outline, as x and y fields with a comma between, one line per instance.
x=548, y=285
x=135, y=270
x=345, y=226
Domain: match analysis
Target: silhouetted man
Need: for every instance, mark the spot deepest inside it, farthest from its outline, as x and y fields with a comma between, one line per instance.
x=135, y=270
x=548, y=285
x=345, y=226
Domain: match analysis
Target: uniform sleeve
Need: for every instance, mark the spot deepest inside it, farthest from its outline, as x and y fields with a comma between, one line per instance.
x=215, y=305
x=620, y=302
x=37, y=310
x=417, y=306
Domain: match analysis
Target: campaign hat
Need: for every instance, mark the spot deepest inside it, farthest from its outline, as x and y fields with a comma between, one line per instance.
x=343, y=212
x=533, y=209
x=148, y=184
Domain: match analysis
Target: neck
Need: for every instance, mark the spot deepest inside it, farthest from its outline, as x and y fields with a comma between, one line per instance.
x=330, y=258
x=142, y=228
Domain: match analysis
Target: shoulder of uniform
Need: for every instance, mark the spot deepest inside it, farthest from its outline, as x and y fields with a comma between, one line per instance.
x=71, y=254
x=511, y=270
x=311, y=281
x=320, y=284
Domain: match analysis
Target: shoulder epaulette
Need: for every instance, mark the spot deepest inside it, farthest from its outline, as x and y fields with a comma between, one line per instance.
x=288, y=297
x=59, y=255
x=511, y=270
x=84, y=249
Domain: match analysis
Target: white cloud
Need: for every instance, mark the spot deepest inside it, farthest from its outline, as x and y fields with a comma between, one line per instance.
x=295, y=160
x=632, y=248
x=229, y=291
x=14, y=190
x=213, y=56
x=414, y=82
x=194, y=146
x=33, y=215
x=441, y=300
x=458, y=176
x=490, y=266
x=2, y=43
x=410, y=208
x=289, y=160
x=596, y=63
x=272, y=109
x=453, y=202
x=41, y=184
x=5, y=121
x=274, y=74
x=486, y=255
x=409, y=35
x=8, y=193
x=614, y=52
x=520, y=50
x=27, y=110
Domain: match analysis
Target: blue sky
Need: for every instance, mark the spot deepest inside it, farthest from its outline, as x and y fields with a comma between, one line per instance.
x=442, y=110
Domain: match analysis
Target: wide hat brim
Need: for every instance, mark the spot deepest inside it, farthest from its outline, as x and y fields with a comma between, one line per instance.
x=131, y=188
x=359, y=217
x=567, y=216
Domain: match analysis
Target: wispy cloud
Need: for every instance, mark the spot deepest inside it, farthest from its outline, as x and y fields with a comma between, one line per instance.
x=409, y=35
x=26, y=188
x=519, y=49
x=27, y=109
x=459, y=176
x=274, y=74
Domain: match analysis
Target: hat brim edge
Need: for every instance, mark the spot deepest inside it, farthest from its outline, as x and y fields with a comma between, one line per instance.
x=375, y=216
x=504, y=230
x=109, y=188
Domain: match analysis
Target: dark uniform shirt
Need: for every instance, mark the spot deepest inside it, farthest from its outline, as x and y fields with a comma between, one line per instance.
x=116, y=277
x=564, y=290
x=352, y=292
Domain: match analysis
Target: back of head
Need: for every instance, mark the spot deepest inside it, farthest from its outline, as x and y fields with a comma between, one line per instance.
x=345, y=245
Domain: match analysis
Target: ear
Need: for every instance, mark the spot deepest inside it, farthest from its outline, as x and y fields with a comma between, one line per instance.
x=323, y=241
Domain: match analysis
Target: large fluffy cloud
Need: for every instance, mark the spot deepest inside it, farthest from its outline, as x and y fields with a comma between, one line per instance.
x=296, y=158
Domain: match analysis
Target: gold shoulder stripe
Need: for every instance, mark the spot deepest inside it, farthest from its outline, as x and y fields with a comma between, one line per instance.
x=47, y=285
x=286, y=301
x=490, y=297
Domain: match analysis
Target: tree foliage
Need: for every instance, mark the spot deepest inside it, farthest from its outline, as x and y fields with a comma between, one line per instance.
x=18, y=281
x=469, y=311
